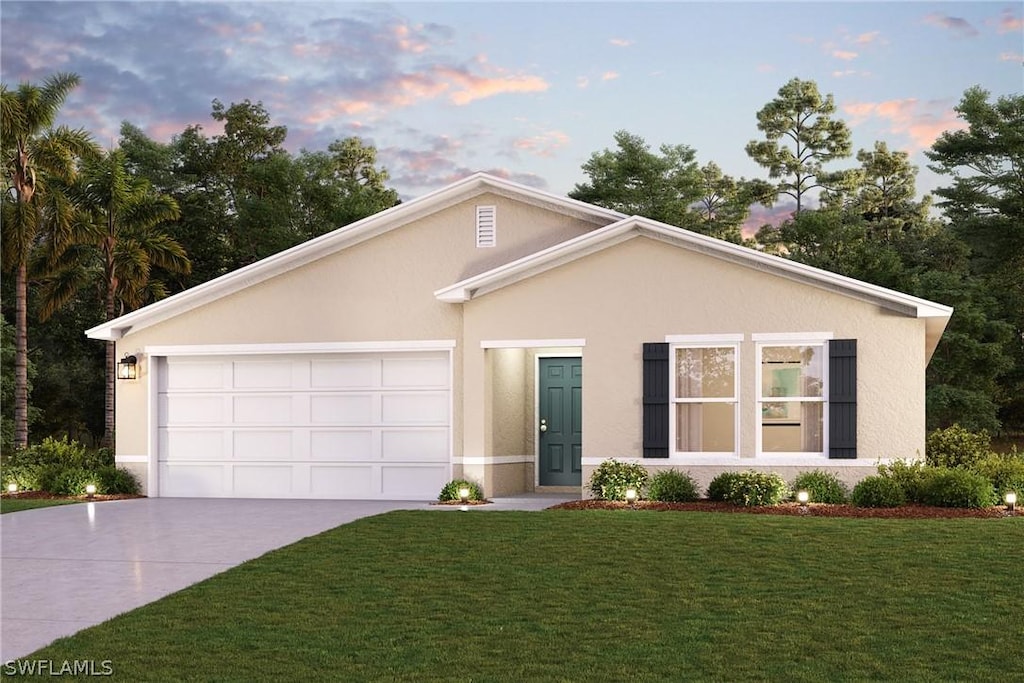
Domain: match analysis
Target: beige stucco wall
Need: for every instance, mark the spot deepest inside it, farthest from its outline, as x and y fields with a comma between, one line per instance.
x=378, y=290
x=642, y=290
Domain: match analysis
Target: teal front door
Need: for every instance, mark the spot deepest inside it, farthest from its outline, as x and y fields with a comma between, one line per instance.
x=561, y=421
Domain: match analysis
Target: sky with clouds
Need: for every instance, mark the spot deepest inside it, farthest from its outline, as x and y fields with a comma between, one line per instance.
x=524, y=90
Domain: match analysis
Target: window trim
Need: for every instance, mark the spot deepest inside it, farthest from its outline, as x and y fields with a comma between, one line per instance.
x=819, y=340
x=704, y=342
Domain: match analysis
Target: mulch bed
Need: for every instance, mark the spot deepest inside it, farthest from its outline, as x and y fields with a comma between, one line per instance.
x=812, y=510
x=31, y=495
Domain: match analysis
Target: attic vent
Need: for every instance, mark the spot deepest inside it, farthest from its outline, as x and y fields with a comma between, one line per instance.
x=486, y=226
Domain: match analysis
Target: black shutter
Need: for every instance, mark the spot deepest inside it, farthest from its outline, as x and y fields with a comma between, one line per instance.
x=842, y=398
x=656, y=415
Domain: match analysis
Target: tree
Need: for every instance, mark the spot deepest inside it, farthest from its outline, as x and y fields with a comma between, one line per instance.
x=724, y=202
x=985, y=205
x=801, y=136
x=36, y=157
x=341, y=186
x=117, y=251
x=636, y=181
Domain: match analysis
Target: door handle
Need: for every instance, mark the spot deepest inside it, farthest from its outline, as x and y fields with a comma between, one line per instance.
x=543, y=425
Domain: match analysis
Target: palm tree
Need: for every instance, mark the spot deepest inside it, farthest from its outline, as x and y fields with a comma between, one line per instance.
x=116, y=250
x=35, y=156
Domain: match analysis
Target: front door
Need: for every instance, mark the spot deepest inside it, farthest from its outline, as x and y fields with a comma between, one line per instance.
x=561, y=421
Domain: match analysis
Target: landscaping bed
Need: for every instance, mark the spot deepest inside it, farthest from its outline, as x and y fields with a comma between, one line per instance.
x=812, y=510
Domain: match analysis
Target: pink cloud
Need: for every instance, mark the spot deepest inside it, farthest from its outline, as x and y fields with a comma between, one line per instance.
x=542, y=145
x=408, y=41
x=844, y=55
x=1011, y=57
x=866, y=38
x=761, y=215
x=620, y=42
x=609, y=76
x=765, y=68
x=961, y=27
x=582, y=82
x=1009, y=23
x=921, y=122
x=471, y=87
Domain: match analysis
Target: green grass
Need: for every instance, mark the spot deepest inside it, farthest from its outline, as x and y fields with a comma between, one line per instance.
x=593, y=596
x=19, y=504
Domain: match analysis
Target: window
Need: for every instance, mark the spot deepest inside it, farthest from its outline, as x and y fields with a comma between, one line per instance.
x=704, y=398
x=486, y=226
x=791, y=398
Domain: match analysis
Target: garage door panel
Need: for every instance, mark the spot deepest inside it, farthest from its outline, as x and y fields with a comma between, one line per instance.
x=342, y=445
x=415, y=408
x=412, y=482
x=415, y=372
x=345, y=373
x=263, y=445
x=261, y=481
x=177, y=409
x=198, y=481
x=185, y=444
x=262, y=374
x=415, y=445
x=365, y=425
x=341, y=482
x=269, y=409
x=351, y=409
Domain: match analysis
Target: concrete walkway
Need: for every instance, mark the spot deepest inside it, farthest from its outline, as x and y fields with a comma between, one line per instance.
x=69, y=567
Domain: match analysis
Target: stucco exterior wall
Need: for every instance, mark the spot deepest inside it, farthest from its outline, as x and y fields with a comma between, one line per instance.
x=378, y=290
x=642, y=290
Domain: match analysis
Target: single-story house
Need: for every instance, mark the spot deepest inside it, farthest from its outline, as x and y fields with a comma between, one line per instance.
x=518, y=338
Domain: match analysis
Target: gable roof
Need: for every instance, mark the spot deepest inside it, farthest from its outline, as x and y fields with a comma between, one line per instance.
x=347, y=236
x=936, y=315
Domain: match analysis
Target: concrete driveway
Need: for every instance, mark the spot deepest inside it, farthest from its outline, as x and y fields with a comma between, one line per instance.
x=69, y=567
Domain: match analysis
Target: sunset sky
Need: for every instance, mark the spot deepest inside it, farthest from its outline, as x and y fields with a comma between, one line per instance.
x=524, y=90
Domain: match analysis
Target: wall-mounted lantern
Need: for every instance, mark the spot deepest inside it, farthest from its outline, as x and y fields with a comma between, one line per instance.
x=128, y=367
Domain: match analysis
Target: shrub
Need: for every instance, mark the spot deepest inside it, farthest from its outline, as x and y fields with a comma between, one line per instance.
x=956, y=488
x=450, y=491
x=956, y=447
x=113, y=480
x=823, y=487
x=910, y=475
x=878, y=492
x=1005, y=472
x=63, y=453
x=611, y=479
x=27, y=477
x=672, y=486
x=71, y=481
x=749, y=488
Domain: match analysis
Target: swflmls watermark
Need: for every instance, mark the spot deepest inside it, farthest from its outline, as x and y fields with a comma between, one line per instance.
x=50, y=667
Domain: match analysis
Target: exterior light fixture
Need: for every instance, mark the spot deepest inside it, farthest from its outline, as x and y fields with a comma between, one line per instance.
x=1011, y=500
x=631, y=496
x=464, y=494
x=90, y=490
x=127, y=367
x=803, y=497
x=12, y=488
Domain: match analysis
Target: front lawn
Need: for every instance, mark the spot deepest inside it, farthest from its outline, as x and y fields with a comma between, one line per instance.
x=14, y=504
x=593, y=596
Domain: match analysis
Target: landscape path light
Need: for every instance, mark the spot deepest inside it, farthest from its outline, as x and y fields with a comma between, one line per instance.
x=1011, y=500
x=631, y=496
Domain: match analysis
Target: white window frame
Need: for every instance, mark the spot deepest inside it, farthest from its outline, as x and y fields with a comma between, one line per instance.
x=818, y=339
x=704, y=342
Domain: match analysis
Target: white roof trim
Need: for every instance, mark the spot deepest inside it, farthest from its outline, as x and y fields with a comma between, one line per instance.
x=636, y=226
x=299, y=348
x=344, y=237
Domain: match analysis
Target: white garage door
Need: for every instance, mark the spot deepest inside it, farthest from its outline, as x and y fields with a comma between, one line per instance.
x=305, y=426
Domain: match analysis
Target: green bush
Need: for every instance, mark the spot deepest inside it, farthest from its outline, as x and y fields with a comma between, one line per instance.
x=611, y=479
x=63, y=453
x=950, y=487
x=71, y=481
x=956, y=447
x=450, y=491
x=1004, y=471
x=749, y=488
x=27, y=477
x=823, y=487
x=672, y=486
x=910, y=475
x=114, y=480
x=878, y=492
